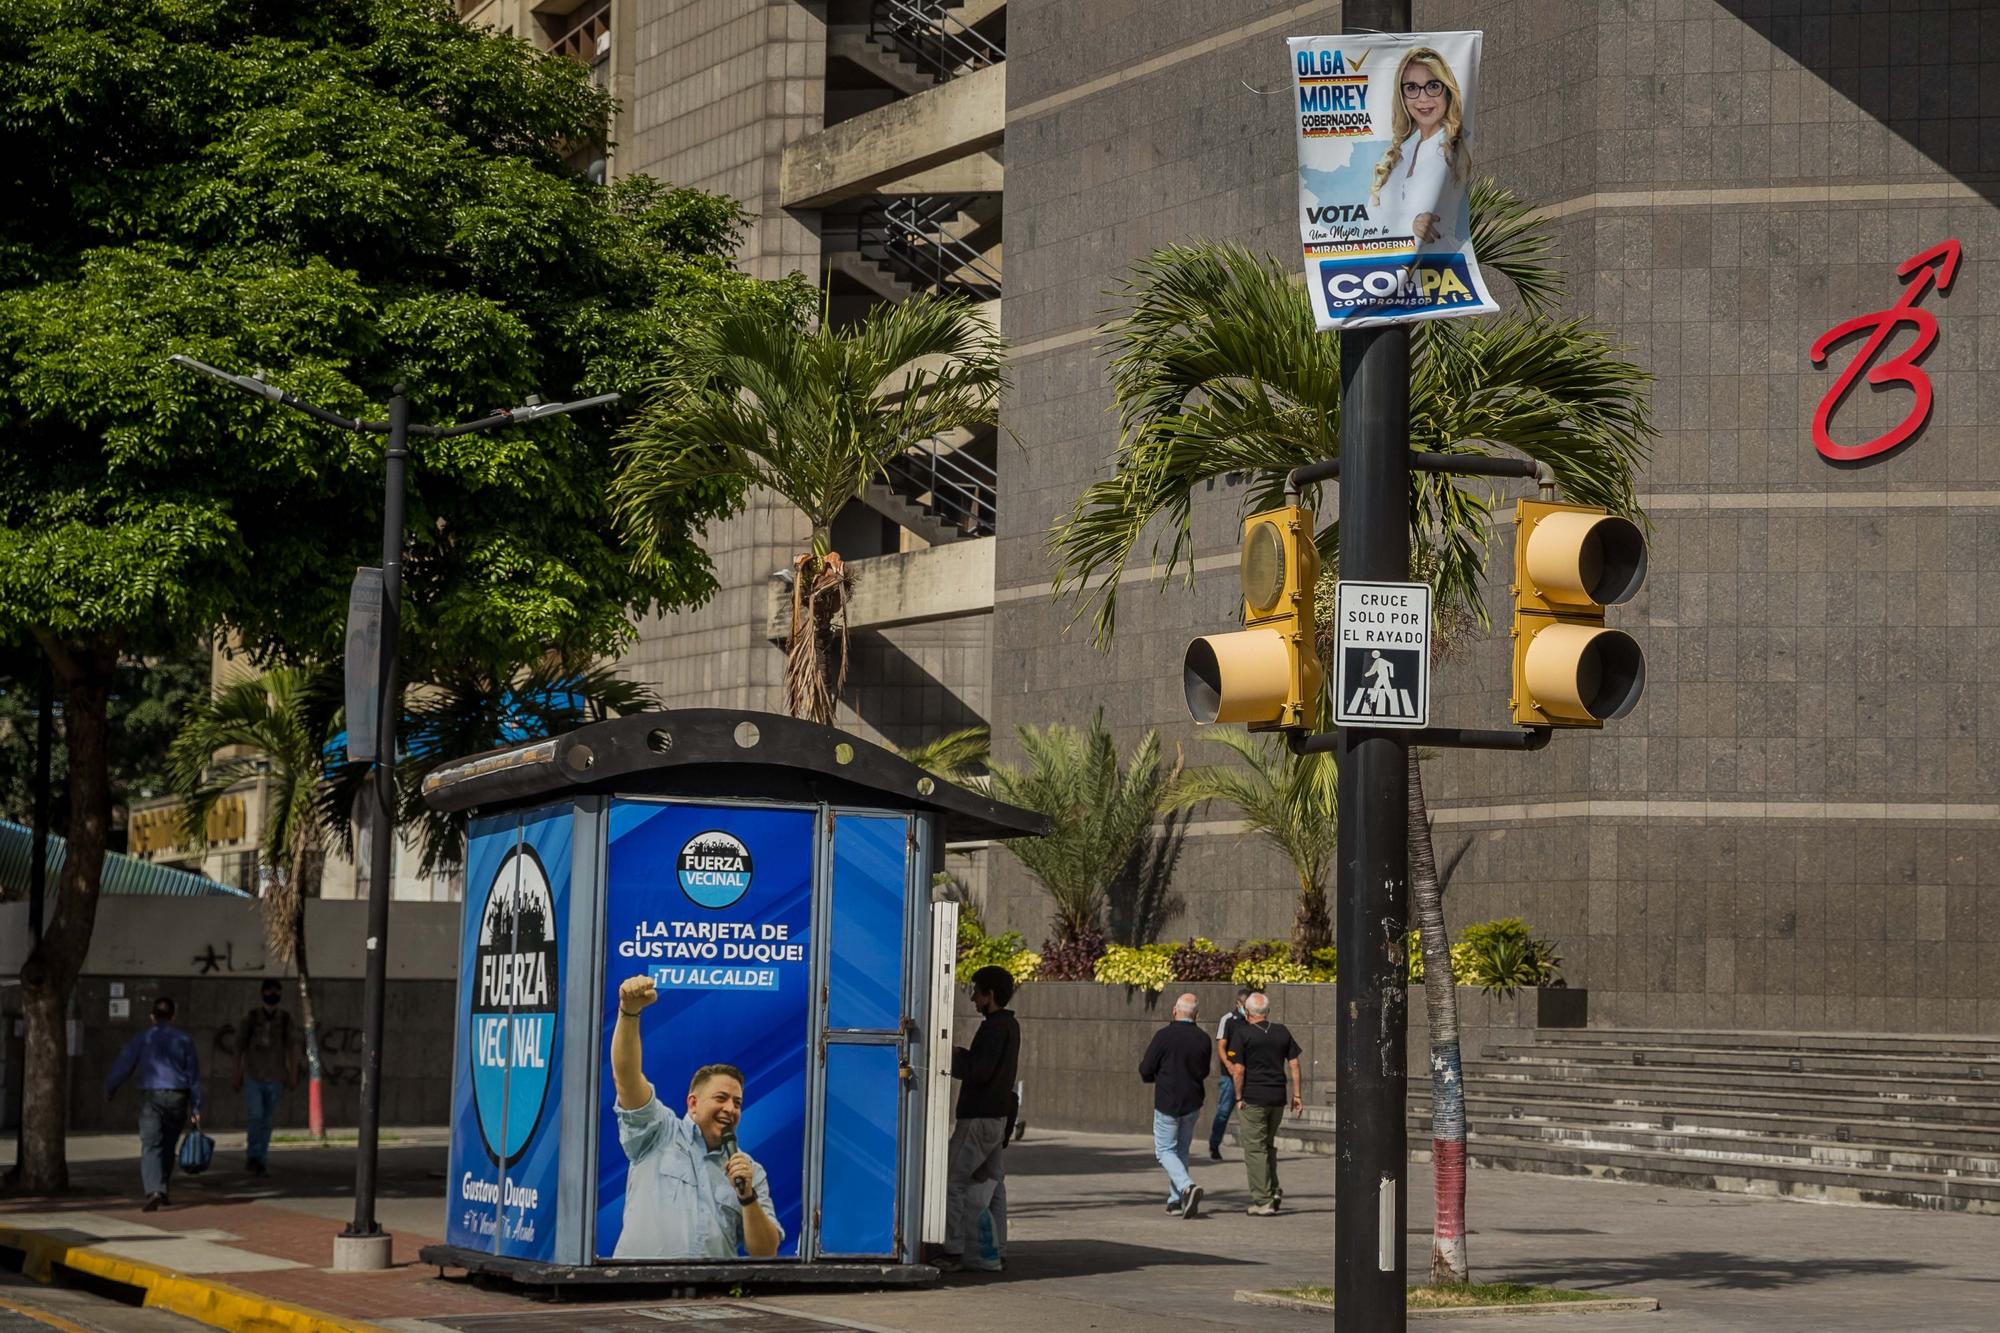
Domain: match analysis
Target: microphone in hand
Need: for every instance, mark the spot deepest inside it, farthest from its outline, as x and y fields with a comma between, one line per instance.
x=730, y=1152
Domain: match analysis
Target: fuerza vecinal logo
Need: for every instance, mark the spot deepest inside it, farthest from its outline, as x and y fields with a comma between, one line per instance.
x=514, y=1017
x=714, y=869
x=1375, y=287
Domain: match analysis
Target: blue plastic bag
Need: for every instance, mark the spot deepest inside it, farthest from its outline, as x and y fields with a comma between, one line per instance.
x=197, y=1151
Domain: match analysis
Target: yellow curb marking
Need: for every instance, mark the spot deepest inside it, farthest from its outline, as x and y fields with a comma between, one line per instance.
x=216, y=1304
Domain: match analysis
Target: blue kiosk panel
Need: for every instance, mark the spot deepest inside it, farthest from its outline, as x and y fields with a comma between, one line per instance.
x=506, y=1146
x=714, y=903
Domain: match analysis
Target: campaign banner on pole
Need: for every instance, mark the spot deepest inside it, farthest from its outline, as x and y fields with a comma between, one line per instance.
x=506, y=1148
x=1386, y=135
x=713, y=905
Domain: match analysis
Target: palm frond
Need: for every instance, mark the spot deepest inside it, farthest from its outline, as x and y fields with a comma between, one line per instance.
x=955, y=756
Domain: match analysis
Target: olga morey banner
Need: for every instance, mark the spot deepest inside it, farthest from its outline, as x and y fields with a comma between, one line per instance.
x=1385, y=158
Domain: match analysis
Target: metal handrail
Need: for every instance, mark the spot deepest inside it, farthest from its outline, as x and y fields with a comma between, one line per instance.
x=580, y=42
x=948, y=486
x=909, y=234
x=924, y=32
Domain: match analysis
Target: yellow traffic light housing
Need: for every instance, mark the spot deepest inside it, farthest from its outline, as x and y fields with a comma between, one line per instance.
x=1570, y=563
x=1266, y=675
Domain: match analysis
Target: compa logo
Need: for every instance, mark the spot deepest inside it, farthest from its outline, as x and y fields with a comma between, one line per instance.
x=714, y=869
x=1430, y=282
x=514, y=1005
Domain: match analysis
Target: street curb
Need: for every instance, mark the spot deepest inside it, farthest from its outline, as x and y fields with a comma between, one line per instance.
x=1611, y=1305
x=202, y=1299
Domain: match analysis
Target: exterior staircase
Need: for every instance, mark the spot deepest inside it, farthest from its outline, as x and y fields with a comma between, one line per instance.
x=941, y=494
x=1912, y=1121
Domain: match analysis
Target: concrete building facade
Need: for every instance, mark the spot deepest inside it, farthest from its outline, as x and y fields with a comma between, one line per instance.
x=1798, y=827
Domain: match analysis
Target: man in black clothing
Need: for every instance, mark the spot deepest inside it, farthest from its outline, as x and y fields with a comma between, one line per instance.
x=1176, y=1064
x=1263, y=1059
x=985, y=1105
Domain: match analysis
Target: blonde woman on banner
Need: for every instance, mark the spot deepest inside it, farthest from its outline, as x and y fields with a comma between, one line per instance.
x=1420, y=181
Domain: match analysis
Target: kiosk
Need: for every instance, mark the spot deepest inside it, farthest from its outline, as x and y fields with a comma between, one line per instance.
x=772, y=879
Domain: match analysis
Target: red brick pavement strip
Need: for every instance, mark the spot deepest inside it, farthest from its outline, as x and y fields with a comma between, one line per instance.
x=409, y=1289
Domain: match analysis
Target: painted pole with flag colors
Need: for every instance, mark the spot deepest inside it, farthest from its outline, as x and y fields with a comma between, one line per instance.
x=1386, y=144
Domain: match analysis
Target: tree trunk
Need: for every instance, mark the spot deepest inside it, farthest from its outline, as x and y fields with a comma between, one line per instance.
x=306, y=867
x=816, y=652
x=48, y=977
x=1312, y=927
x=1448, y=1259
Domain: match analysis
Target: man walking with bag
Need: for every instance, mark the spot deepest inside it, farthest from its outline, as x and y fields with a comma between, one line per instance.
x=169, y=1072
x=1176, y=1064
x=1263, y=1059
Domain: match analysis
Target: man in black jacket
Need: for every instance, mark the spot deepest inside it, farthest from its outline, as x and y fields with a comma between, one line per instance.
x=1176, y=1064
x=985, y=1105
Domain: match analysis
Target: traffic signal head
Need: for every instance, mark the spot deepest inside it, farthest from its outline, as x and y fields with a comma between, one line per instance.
x=1266, y=675
x=1570, y=563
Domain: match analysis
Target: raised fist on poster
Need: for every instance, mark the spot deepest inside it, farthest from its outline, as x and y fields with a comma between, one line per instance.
x=635, y=993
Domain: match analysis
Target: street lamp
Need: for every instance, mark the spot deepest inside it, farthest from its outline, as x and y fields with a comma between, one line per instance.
x=365, y=1245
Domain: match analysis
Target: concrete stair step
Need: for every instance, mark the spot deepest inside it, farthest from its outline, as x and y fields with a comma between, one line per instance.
x=1826, y=1183
x=1843, y=1042
x=1712, y=1144
x=1976, y=1138
x=1886, y=1064
x=1552, y=1068
x=1873, y=1109
x=1776, y=1176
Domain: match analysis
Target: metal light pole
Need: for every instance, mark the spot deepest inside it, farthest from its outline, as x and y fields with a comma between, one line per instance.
x=364, y=1245
x=1370, y=1186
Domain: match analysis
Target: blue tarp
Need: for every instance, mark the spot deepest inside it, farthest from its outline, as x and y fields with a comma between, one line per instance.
x=123, y=875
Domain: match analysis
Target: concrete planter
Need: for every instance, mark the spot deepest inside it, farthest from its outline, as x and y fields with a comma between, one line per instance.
x=1081, y=1041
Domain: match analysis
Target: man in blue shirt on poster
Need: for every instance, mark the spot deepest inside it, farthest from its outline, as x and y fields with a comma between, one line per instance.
x=163, y=1059
x=689, y=1192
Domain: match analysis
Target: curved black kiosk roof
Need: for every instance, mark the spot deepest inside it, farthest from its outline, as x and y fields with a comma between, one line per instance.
x=721, y=752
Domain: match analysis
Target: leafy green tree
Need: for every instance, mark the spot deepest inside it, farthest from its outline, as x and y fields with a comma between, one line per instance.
x=1103, y=816
x=144, y=709
x=813, y=413
x=1292, y=801
x=348, y=196
x=1217, y=370
x=469, y=710
x=279, y=725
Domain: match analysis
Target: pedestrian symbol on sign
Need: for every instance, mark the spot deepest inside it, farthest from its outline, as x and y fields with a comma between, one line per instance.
x=1381, y=696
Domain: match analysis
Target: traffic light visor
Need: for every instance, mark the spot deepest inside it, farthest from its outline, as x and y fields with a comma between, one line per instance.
x=1579, y=558
x=1241, y=677
x=1584, y=673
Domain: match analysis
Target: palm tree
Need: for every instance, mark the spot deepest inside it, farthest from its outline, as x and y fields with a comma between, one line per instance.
x=814, y=414
x=469, y=708
x=1103, y=817
x=957, y=756
x=1291, y=801
x=1217, y=370
x=280, y=723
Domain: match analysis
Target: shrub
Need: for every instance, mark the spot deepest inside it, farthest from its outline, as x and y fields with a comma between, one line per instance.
x=977, y=949
x=1200, y=960
x=1147, y=966
x=1501, y=957
x=1074, y=959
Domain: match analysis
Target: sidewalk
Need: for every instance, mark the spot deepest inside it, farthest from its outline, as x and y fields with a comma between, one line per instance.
x=1094, y=1248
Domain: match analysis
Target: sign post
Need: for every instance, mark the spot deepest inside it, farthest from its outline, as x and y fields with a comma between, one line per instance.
x=1382, y=676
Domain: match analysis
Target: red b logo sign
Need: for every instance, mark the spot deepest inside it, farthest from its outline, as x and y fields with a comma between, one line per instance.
x=1935, y=267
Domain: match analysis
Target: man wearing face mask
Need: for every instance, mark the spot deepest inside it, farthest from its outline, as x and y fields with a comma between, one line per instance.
x=267, y=1066
x=689, y=1192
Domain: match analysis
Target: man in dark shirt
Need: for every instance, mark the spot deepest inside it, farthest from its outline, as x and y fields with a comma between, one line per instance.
x=978, y=1176
x=1263, y=1060
x=1176, y=1064
x=267, y=1066
x=169, y=1072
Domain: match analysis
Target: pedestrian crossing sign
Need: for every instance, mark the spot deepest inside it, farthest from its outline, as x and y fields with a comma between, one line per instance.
x=1382, y=669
